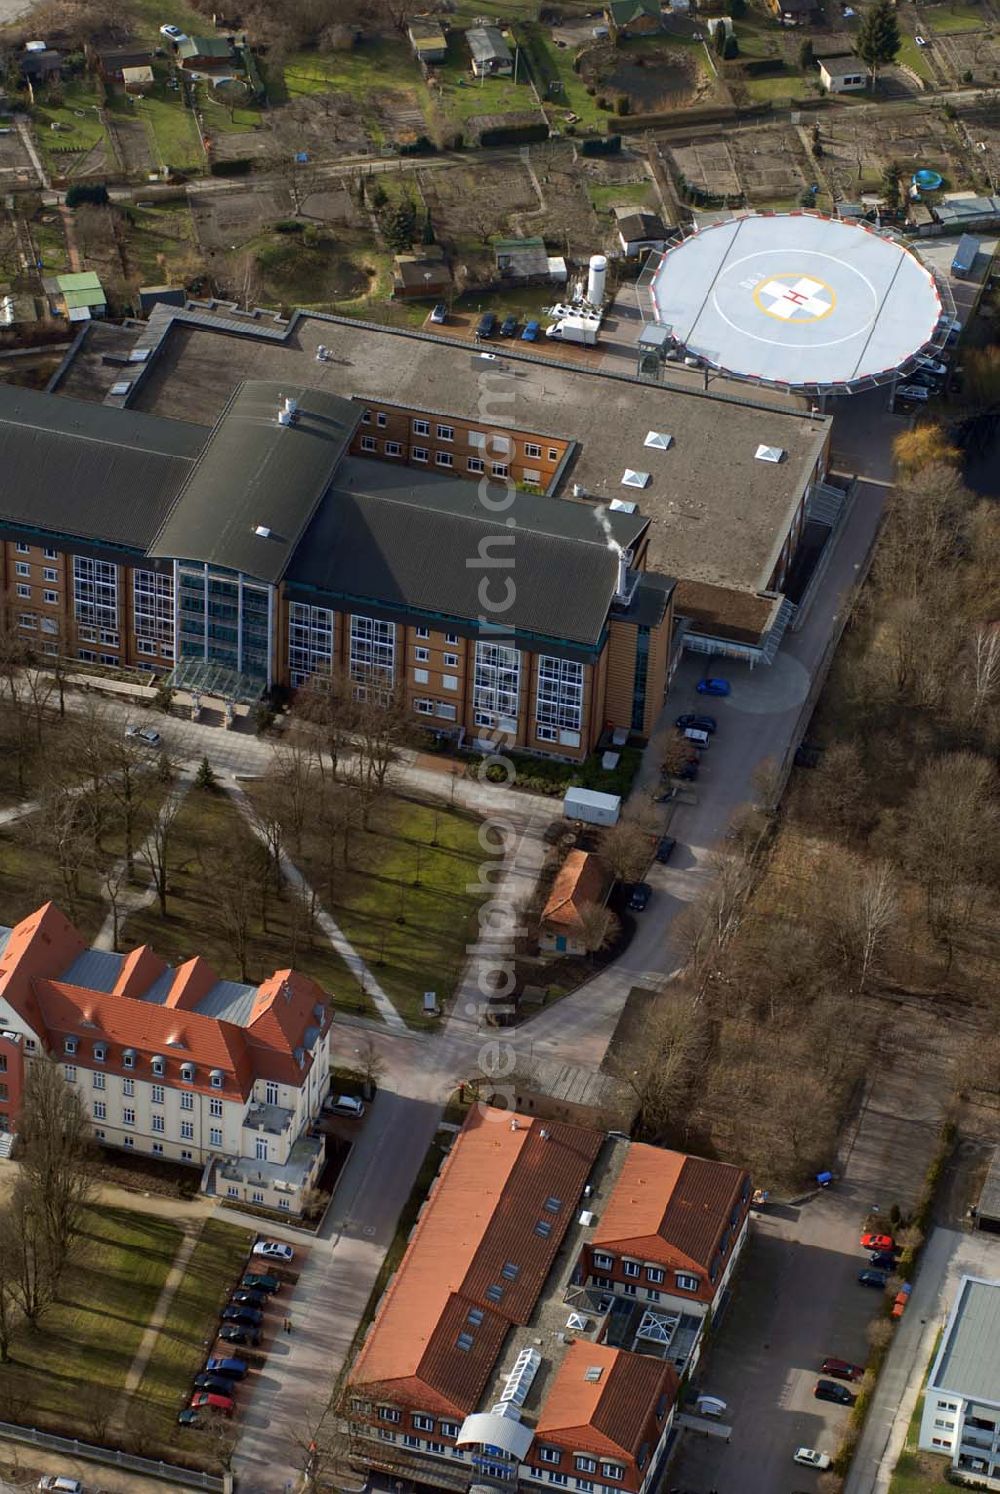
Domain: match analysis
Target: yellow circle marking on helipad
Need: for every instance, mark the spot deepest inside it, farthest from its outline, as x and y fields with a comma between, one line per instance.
x=795, y=298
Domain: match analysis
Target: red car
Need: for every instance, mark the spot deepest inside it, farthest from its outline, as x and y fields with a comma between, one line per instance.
x=871, y=1241
x=841, y=1369
x=206, y=1401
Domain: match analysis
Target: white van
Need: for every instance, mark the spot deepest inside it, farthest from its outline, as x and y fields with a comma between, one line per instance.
x=699, y=738
x=710, y=1405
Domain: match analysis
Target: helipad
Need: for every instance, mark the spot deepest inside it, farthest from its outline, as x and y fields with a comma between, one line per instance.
x=796, y=300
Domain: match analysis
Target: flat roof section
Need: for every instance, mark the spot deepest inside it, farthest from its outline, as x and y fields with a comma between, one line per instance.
x=718, y=515
x=797, y=300
x=968, y=1362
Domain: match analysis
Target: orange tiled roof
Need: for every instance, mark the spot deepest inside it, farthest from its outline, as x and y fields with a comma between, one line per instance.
x=580, y=879
x=609, y=1416
x=669, y=1208
x=481, y=1216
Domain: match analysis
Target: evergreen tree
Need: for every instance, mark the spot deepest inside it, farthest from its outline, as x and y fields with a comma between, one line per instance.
x=878, y=37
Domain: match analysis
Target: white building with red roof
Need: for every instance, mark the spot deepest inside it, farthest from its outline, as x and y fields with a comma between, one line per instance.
x=172, y=1061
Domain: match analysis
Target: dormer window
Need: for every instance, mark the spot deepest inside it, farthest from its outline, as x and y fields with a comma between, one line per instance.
x=159, y=1066
x=215, y=1078
x=100, y=1052
x=128, y=1058
x=187, y=1073
x=71, y=1045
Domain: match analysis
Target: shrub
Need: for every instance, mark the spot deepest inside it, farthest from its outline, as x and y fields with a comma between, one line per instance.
x=81, y=192
x=288, y=225
x=622, y=103
x=238, y=166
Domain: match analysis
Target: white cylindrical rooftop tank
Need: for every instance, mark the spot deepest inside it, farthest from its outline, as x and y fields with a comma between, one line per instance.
x=596, y=278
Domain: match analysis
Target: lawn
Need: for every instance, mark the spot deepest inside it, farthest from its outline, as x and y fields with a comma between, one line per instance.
x=372, y=69
x=149, y=15
x=782, y=86
x=220, y=119
x=80, y=129
x=556, y=63
x=912, y=56
x=68, y=1373
x=403, y=902
x=173, y=129
x=50, y=241
x=627, y=194
x=161, y=243
x=954, y=17
x=192, y=926
x=216, y=1264
x=917, y=1472
x=463, y=96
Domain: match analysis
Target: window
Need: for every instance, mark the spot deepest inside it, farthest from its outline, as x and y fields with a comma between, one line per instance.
x=69, y=1069
x=421, y=655
x=446, y=433
x=497, y=681
x=449, y=681
x=157, y=1148
x=128, y=1116
x=232, y=1191
x=128, y=1058
x=270, y=1093
x=424, y=707
x=385, y=1435
x=445, y=712
x=51, y=554
x=393, y=448
x=421, y=427
x=159, y=1123
x=187, y=1075
x=476, y=464
x=372, y=651
x=24, y=592
x=187, y=1102
x=261, y=1148
x=475, y=1316
x=436, y=1447
x=630, y=1289
x=368, y=443
x=686, y=1283
x=631, y=1268
x=613, y=1470
x=444, y=459
x=215, y=1078
x=553, y=454
x=549, y=1455
x=499, y=469
x=215, y=1136
x=22, y=568
x=654, y=1274
x=22, y=548
x=128, y=1141
x=419, y=453
x=366, y=418
x=159, y=1067
x=585, y=1485
x=421, y=677
x=559, y=696
x=451, y=661
x=451, y=638
x=531, y=450
x=257, y=1196
x=87, y=655
x=97, y=1081
x=215, y=1106
x=584, y=1464
x=30, y=1045
x=128, y=1086
x=388, y=1413
x=111, y=660
x=382, y=419
x=310, y=642
x=449, y=1429
x=494, y=1293
x=95, y=592
x=422, y=632
x=652, y=1295
x=546, y=733
x=510, y=1272
x=153, y=602
x=543, y=1228
x=464, y=1341
x=100, y=1052
x=529, y=475
x=605, y=1262
x=558, y=1478
x=100, y=1110
x=49, y=573
x=187, y=1130
x=187, y=1156
x=553, y=1204
x=409, y=1440
x=70, y=1045
x=423, y=1423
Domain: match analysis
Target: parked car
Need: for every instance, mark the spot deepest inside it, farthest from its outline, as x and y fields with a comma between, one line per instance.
x=841, y=1369
x=217, y=1384
x=204, y=1400
x=486, y=325
x=832, y=1390
x=933, y=365
x=247, y=1317
x=638, y=898
x=872, y=1240
x=173, y=33
x=230, y=1369
x=665, y=849
x=810, y=1458
x=145, y=734
x=531, y=331
x=508, y=327
x=921, y=41
x=60, y=1483
x=713, y=687
x=915, y=392
x=883, y=1260
x=439, y=314
x=696, y=723
x=232, y=1333
x=274, y=1250
x=926, y=380
x=243, y=1298
x=190, y=1418
x=344, y=1105
x=254, y=1282
x=876, y=1279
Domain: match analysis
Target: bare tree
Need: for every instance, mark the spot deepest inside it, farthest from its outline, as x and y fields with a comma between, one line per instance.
x=56, y=1153
x=672, y=1053
x=866, y=917
x=627, y=848
x=35, y=1263
x=984, y=667
x=61, y=831
x=235, y=894
x=9, y=1248
x=158, y=847
x=597, y=927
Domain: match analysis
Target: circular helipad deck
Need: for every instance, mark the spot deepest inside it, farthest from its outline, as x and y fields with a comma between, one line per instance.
x=796, y=300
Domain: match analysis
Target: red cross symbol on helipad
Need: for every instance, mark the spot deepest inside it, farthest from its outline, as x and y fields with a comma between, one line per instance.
x=802, y=299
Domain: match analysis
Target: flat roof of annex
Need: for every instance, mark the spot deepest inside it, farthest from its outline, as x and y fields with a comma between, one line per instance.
x=718, y=515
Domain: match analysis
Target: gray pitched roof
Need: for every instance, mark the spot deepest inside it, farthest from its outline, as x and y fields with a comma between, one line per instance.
x=410, y=539
x=256, y=474
x=77, y=469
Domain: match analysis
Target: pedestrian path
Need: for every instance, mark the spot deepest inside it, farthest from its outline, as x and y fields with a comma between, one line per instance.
x=334, y=935
x=143, y=1354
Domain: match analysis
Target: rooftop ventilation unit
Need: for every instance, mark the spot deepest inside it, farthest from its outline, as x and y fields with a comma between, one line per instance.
x=659, y=439
x=526, y=1367
x=623, y=506
x=587, y=1218
x=262, y=531
x=769, y=453
x=633, y=479
x=322, y=353
x=578, y=1322
x=287, y=411
x=594, y=1373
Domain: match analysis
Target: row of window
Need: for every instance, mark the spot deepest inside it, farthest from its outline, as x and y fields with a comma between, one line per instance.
x=158, y=1123
x=157, y=1092
x=157, y=1063
x=24, y=549
x=479, y=440
x=654, y=1274
x=257, y=1197
x=23, y=568
x=615, y=1472
x=25, y=592
x=582, y=1462
x=474, y=465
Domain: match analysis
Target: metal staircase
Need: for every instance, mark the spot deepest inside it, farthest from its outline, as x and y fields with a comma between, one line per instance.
x=786, y=613
x=825, y=504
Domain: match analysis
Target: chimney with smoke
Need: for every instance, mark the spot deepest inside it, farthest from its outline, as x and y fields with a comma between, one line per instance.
x=625, y=585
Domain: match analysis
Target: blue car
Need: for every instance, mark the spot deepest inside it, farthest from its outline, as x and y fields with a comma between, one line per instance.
x=531, y=331
x=713, y=687
x=876, y=1279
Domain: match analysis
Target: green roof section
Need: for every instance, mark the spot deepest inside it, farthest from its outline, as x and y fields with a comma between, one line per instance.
x=86, y=283
x=205, y=46
x=75, y=299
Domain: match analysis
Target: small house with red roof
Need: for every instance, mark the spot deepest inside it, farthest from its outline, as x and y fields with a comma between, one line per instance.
x=580, y=882
x=172, y=1061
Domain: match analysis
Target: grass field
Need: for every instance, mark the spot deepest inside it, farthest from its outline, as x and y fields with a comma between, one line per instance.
x=161, y=242
x=783, y=86
x=85, y=1346
x=216, y=1264
x=193, y=926
x=362, y=75
x=954, y=17
x=912, y=56
x=79, y=129
x=917, y=1472
x=149, y=15
x=171, y=124
x=631, y=194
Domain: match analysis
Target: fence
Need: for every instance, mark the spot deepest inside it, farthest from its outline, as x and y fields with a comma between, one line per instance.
x=115, y=1458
